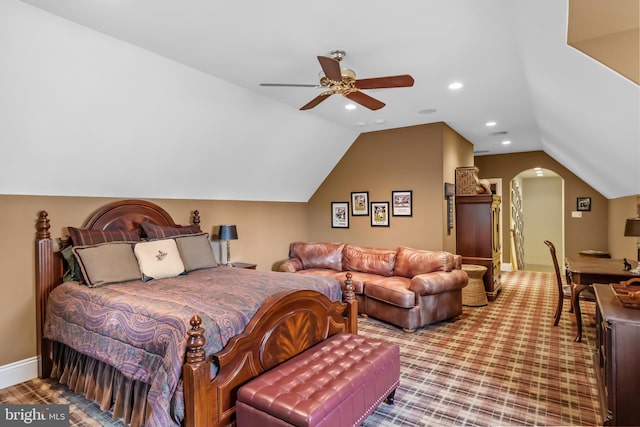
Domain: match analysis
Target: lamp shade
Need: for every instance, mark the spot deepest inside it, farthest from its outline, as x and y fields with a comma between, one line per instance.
x=632, y=227
x=228, y=232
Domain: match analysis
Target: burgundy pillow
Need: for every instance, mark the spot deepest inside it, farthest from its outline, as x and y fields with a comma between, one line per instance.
x=87, y=237
x=154, y=231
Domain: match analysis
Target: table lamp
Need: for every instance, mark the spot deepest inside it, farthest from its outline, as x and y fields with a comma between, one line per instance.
x=632, y=229
x=228, y=233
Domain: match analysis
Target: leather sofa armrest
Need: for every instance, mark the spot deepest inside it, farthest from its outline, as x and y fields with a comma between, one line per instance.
x=438, y=282
x=291, y=265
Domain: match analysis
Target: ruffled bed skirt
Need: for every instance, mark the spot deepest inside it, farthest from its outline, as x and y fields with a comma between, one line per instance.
x=101, y=383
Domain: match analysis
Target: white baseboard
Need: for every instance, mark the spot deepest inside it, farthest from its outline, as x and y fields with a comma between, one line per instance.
x=17, y=372
x=505, y=266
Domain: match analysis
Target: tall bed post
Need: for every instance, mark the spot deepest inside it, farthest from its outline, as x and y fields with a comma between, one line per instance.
x=48, y=275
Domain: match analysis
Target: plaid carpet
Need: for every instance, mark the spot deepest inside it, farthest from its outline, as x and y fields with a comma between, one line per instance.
x=503, y=364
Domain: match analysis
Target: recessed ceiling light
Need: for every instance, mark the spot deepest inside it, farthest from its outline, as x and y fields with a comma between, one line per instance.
x=360, y=124
x=380, y=121
x=507, y=142
x=455, y=86
x=489, y=124
x=427, y=111
x=350, y=106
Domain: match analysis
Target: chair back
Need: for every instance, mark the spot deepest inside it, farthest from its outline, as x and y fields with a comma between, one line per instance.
x=552, y=250
x=554, y=258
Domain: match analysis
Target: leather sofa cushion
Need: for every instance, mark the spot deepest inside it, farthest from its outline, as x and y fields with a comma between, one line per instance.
x=368, y=260
x=393, y=290
x=318, y=255
x=411, y=262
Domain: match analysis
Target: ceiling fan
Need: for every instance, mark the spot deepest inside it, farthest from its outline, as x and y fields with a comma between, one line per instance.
x=343, y=81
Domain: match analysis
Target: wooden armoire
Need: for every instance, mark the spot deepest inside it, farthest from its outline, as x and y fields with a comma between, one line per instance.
x=478, y=236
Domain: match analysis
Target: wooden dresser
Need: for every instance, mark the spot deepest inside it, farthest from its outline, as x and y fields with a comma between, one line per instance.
x=478, y=236
x=616, y=359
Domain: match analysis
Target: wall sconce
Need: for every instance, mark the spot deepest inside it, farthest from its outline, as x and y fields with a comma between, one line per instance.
x=632, y=229
x=228, y=233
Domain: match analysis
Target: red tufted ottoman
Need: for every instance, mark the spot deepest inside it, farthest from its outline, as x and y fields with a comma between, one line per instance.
x=338, y=382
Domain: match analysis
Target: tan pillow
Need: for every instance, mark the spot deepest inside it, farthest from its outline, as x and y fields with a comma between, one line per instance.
x=195, y=251
x=159, y=259
x=107, y=263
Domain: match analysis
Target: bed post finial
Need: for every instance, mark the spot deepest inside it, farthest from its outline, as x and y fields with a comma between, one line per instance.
x=349, y=297
x=42, y=225
x=196, y=341
x=196, y=217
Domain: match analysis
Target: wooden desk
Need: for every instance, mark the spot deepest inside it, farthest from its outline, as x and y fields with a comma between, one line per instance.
x=585, y=271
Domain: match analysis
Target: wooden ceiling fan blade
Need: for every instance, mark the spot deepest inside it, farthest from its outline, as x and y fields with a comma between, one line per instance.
x=315, y=101
x=331, y=68
x=289, y=85
x=365, y=100
x=403, y=80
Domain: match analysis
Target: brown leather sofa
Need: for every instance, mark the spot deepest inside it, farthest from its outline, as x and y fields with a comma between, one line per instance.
x=406, y=287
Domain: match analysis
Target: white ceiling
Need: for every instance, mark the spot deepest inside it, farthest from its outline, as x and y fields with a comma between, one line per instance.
x=510, y=55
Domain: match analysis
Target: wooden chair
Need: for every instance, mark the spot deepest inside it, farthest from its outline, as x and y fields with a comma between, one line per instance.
x=569, y=290
x=564, y=289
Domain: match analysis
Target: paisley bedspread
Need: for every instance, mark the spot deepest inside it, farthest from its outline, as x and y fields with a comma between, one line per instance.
x=140, y=327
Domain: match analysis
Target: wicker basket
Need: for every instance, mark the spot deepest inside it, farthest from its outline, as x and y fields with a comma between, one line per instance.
x=467, y=180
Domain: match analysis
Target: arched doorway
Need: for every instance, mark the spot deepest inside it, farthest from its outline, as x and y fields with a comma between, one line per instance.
x=537, y=200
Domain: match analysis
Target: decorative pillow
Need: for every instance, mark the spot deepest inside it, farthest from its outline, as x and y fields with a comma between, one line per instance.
x=318, y=255
x=154, y=231
x=87, y=237
x=368, y=260
x=107, y=263
x=72, y=271
x=411, y=262
x=195, y=251
x=158, y=259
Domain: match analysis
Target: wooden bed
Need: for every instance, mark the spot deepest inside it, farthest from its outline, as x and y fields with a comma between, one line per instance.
x=285, y=325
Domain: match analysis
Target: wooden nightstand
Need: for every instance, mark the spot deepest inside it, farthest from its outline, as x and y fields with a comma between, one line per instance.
x=244, y=265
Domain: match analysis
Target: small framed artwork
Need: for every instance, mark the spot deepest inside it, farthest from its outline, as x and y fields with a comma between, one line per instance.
x=584, y=203
x=402, y=203
x=360, y=203
x=379, y=214
x=340, y=214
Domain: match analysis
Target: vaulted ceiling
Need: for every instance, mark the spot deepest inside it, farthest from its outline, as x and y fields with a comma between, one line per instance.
x=511, y=56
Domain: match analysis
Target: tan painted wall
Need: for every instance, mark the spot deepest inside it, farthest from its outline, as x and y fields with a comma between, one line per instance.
x=619, y=210
x=542, y=214
x=588, y=232
x=457, y=152
x=416, y=158
x=265, y=231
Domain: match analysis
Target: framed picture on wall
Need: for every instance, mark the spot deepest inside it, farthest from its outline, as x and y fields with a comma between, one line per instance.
x=360, y=203
x=340, y=214
x=584, y=203
x=379, y=214
x=402, y=203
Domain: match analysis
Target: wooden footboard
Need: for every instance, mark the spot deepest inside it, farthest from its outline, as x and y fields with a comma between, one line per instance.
x=284, y=326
